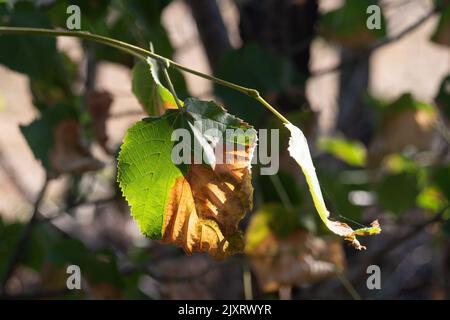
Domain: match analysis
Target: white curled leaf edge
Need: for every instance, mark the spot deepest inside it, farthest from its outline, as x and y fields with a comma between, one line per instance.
x=299, y=151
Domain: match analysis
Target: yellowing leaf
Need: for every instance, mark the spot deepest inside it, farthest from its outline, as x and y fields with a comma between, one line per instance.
x=299, y=150
x=195, y=206
x=351, y=152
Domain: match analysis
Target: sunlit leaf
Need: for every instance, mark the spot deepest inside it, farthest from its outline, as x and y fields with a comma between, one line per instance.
x=147, y=87
x=351, y=152
x=299, y=150
x=432, y=199
x=195, y=206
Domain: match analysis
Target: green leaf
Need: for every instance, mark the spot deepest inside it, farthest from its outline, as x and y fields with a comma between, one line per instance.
x=351, y=152
x=39, y=137
x=98, y=267
x=398, y=192
x=271, y=218
x=442, y=33
x=146, y=172
x=432, y=199
x=254, y=67
x=147, y=87
x=150, y=180
x=31, y=55
x=441, y=177
x=347, y=24
x=9, y=234
x=443, y=96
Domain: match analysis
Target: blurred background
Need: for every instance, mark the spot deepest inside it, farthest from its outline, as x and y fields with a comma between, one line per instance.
x=374, y=104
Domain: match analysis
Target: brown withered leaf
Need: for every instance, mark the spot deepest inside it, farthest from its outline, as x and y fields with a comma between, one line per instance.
x=413, y=127
x=69, y=154
x=299, y=259
x=206, y=206
x=98, y=104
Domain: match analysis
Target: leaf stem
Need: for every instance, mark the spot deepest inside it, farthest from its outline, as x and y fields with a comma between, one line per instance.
x=141, y=53
x=165, y=67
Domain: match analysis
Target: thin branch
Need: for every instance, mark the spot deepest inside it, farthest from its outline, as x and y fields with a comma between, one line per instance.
x=282, y=193
x=165, y=67
x=141, y=53
x=400, y=35
x=79, y=203
x=23, y=240
x=378, y=44
x=394, y=243
x=247, y=280
x=348, y=286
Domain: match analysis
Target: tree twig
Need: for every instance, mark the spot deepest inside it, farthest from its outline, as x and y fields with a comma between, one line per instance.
x=378, y=44
x=23, y=239
x=394, y=243
x=141, y=53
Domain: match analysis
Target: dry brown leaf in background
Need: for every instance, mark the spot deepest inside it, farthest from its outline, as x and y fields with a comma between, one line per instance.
x=416, y=130
x=69, y=154
x=299, y=259
x=98, y=104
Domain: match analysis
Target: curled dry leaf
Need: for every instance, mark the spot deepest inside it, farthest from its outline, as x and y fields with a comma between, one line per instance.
x=68, y=153
x=98, y=104
x=299, y=150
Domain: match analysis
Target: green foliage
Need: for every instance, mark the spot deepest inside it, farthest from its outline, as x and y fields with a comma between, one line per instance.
x=432, y=199
x=97, y=268
x=407, y=102
x=269, y=192
x=271, y=218
x=146, y=172
x=441, y=176
x=443, y=96
x=254, y=67
x=352, y=152
x=442, y=33
x=398, y=192
x=10, y=235
x=347, y=24
x=337, y=186
x=30, y=55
